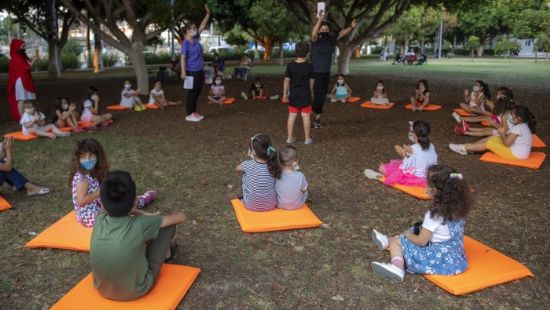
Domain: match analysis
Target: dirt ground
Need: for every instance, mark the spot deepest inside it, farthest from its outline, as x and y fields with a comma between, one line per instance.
x=191, y=165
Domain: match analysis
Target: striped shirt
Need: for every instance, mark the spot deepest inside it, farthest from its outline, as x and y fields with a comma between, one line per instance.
x=258, y=186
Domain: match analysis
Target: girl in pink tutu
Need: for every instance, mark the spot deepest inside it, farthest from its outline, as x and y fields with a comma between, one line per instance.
x=416, y=159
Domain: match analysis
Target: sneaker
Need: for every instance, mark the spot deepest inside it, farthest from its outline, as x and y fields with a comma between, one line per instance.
x=380, y=240
x=465, y=125
x=456, y=117
x=317, y=124
x=458, y=148
x=459, y=130
x=105, y=124
x=244, y=95
x=290, y=140
x=308, y=141
x=146, y=199
x=276, y=97
x=371, y=174
x=333, y=100
x=78, y=129
x=197, y=115
x=192, y=118
x=388, y=270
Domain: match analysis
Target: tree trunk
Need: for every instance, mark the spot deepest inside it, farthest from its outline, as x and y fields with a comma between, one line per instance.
x=357, y=52
x=422, y=47
x=54, y=65
x=345, y=56
x=281, y=54
x=407, y=41
x=454, y=41
x=98, y=58
x=256, y=52
x=268, y=47
x=480, y=50
x=54, y=69
x=88, y=48
x=140, y=68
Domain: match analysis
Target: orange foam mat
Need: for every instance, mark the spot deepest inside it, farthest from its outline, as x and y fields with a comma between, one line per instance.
x=462, y=112
x=18, y=135
x=4, y=204
x=534, y=161
x=370, y=105
x=274, y=220
x=415, y=191
x=66, y=234
x=429, y=107
x=173, y=283
x=152, y=106
x=90, y=124
x=537, y=142
x=486, y=267
x=229, y=100
x=353, y=99
x=261, y=97
x=117, y=107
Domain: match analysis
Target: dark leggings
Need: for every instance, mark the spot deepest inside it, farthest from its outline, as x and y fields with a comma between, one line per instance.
x=157, y=249
x=13, y=178
x=320, y=89
x=193, y=94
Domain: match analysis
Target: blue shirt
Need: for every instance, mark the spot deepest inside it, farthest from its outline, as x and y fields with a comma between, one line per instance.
x=192, y=51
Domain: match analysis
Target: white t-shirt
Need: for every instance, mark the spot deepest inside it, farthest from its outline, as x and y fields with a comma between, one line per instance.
x=521, y=148
x=155, y=93
x=27, y=118
x=87, y=108
x=440, y=231
x=127, y=101
x=420, y=160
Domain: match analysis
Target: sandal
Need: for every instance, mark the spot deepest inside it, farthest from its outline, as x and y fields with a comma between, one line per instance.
x=42, y=191
x=173, y=248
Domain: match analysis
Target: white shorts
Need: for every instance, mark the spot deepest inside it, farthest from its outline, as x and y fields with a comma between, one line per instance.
x=379, y=100
x=21, y=93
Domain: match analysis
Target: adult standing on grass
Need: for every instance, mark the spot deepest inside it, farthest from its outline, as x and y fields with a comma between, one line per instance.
x=20, y=84
x=192, y=63
x=323, y=44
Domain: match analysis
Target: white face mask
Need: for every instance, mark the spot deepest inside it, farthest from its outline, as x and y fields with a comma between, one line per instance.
x=510, y=118
x=127, y=85
x=340, y=81
x=64, y=106
x=218, y=82
x=476, y=88
x=29, y=111
x=193, y=32
x=379, y=87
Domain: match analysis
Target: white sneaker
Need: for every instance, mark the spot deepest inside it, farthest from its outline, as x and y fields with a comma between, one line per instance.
x=244, y=95
x=308, y=141
x=388, y=270
x=192, y=118
x=290, y=140
x=380, y=239
x=371, y=174
x=275, y=97
x=197, y=115
x=458, y=148
x=456, y=117
x=333, y=100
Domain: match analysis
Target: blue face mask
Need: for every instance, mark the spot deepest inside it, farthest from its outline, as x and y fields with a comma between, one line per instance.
x=88, y=164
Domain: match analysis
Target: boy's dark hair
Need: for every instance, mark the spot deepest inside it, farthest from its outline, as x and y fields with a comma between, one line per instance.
x=503, y=105
x=261, y=145
x=118, y=193
x=58, y=103
x=91, y=91
x=422, y=131
x=302, y=48
x=288, y=154
x=33, y=103
x=526, y=117
x=486, y=90
x=452, y=200
x=89, y=145
x=324, y=23
x=383, y=89
x=426, y=87
x=508, y=93
x=258, y=79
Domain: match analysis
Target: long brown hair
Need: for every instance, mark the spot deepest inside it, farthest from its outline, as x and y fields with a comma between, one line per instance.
x=452, y=200
x=93, y=146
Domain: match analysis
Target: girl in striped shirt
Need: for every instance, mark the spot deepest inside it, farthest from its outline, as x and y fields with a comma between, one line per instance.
x=259, y=174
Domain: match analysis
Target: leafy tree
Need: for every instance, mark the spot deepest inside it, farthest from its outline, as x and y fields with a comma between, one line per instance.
x=506, y=46
x=473, y=43
x=417, y=23
x=532, y=21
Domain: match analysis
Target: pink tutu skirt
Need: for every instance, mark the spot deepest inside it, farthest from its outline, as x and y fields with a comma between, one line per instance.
x=394, y=175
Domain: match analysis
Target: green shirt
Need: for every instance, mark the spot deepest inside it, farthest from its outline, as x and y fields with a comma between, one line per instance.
x=118, y=255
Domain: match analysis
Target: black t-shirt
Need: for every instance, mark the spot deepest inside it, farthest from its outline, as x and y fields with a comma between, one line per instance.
x=321, y=53
x=299, y=73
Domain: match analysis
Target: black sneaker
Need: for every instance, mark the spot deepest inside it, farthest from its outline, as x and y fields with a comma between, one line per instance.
x=317, y=125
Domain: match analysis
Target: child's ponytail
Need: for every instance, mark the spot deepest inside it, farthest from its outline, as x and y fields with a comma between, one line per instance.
x=273, y=164
x=422, y=131
x=451, y=199
x=261, y=145
x=526, y=117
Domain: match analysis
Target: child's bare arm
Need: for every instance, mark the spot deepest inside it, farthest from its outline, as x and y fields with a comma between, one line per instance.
x=426, y=99
x=239, y=168
x=173, y=219
x=286, y=83
x=421, y=239
x=82, y=196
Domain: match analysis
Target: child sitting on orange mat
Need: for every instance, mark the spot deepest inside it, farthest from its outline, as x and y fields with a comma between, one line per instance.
x=514, y=143
x=259, y=173
x=156, y=96
x=411, y=170
x=291, y=188
x=130, y=98
x=33, y=122
x=66, y=115
x=88, y=169
x=217, y=91
x=340, y=91
x=436, y=245
x=500, y=118
x=477, y=102
x=379, y=95
x=127, y=249
x=257, y=91
x=90, y=114
x=421, y=96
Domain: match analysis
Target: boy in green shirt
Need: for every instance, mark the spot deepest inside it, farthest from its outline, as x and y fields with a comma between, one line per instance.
x=128, y=250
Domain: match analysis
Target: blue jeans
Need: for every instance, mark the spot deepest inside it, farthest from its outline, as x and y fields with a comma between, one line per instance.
x=14, y=178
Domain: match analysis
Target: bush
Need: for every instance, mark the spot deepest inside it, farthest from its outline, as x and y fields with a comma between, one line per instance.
x=72, y=47
x=4, y=64
x=157, y=59
x=505, y=46
x=109, y=59
x=377, y=50
x=489, y=52
x=461, y=51
x=70, y=61
x=41, y=65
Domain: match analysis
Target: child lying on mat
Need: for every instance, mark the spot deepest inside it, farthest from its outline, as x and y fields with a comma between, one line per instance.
x=89, y=168
x=127, y=249
x=514, y=143
x=340, y=91
x=421, y=96
x=291, y=188
x=66, y=114
x=478, y=101
x=412, y=169
x=259, y=174
x=501, y=118
x=217, y=91
x=33, y=122
x=435, y=246
x=156, y=96
x=90, y=114
x=130, y=98
x=379, y=95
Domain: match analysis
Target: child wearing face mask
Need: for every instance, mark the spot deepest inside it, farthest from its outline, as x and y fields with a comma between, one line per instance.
x=257, y=91
x=130, y=98
x=421, y=96
x=66, y=115
x=379, y=95
x=156, y=96
x=291, y=188
x=477, y=101
x=89, y=167
x=217, y=92
x=416, y=158
x=341, y=91
x=90, y=114
x=33, y=122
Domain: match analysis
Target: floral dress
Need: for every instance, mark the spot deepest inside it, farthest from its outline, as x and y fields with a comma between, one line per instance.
x=444, y=258
x=86, y=214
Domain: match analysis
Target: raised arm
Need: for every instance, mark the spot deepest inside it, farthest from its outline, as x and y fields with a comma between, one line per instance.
x=344, y=32
x=315, y=30
x=204, y=21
